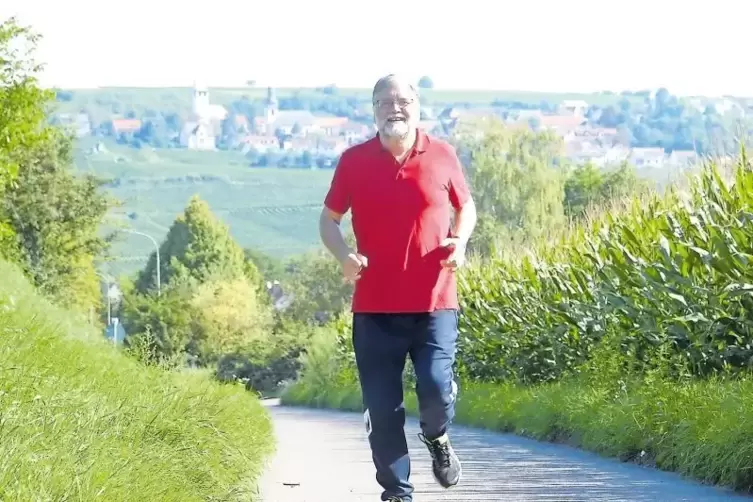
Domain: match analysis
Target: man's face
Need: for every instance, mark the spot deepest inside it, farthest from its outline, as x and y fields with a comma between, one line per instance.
x=396, y=111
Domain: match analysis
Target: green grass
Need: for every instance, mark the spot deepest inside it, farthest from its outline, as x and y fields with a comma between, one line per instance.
x=79, y=420
x=703, y=430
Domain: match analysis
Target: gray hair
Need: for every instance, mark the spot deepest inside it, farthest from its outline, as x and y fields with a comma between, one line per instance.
x=388, y=80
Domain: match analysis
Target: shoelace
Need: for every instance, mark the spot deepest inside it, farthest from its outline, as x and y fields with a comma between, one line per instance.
x=440, y=452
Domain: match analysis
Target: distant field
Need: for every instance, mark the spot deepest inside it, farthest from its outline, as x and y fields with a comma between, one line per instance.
x=269, y=209
x=170, y=98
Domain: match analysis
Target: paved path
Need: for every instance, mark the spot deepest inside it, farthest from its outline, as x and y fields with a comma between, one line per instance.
x=324, y=456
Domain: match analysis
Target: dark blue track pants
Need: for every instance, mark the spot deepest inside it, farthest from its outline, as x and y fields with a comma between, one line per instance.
x=382, y=343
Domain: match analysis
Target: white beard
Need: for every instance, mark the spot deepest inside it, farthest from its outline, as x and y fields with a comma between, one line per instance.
x=397, y=129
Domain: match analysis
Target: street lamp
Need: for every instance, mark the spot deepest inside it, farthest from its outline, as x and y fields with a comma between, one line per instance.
x=113, y=293
x=108, y=281
x=156, y=247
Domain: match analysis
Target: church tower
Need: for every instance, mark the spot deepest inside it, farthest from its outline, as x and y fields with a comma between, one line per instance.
x=271, y=106
x=200, y=101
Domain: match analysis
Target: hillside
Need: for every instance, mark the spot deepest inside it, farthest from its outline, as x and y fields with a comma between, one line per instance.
x=273, y=210
x=81, y=421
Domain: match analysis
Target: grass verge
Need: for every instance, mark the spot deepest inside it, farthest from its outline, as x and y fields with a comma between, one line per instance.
x=702, y=429
x=79, y=420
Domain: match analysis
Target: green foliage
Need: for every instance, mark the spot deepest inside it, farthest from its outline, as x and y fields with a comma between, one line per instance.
x=83, y=421
x=513, y=175
x=161, y=325
x=587, y=186
x=198, y=246
x=22, y=101
x=49, y=219
x=266, y=371
x=213, y=310
x=233, y=317
x=669, y=277
x=316, y=283
x=270, y=267
x=22, y=111
x=425, y=82
x=55, y=217
x=672, y=123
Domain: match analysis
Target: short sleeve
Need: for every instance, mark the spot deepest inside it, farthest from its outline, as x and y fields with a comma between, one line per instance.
x=458, y=185
x=338, y=196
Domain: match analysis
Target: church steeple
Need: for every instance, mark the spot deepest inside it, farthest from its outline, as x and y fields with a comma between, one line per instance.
x=271, y=97
x=200, y=100
x=272, y=106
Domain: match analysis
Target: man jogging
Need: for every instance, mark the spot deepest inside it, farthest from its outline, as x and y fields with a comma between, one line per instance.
x=400, y=187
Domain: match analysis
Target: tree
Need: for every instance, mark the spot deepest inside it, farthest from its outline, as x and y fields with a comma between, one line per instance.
x=316, y=283
x=272, y=268
x=162, y=326
x=516, y=175
x=49, y=218
x=200, y=321
x=212, y=302
x=232, y=319
x=55, y=216
x=582, y=188
x=23, y=114
x=425, y=82
x=199, y=246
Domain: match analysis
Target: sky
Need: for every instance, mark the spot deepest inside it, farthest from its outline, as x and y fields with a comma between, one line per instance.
x=535, y=45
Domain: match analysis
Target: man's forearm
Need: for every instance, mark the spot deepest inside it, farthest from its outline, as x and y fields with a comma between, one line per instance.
x=465, y=222
x=332, y=237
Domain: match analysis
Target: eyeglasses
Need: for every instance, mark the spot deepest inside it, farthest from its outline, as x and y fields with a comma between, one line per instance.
x=390, y=103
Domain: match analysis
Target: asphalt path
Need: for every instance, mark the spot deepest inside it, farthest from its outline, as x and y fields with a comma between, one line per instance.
x=324, y=456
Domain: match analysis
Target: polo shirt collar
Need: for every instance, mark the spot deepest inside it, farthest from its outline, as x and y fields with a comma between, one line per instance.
x=422, y=141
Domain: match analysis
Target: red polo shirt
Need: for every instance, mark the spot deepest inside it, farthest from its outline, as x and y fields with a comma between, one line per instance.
x=401, y=213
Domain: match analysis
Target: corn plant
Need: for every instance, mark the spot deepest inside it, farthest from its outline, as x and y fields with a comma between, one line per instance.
x=670, y=277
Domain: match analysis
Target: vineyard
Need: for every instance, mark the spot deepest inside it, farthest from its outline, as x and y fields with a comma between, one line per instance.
x=270, y=209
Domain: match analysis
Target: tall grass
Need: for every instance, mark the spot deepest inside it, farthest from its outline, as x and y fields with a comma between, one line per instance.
x=79, y=420
x=631, y=335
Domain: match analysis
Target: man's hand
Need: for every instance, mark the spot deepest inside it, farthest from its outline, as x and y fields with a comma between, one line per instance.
x=352, y=266
x=457, y=253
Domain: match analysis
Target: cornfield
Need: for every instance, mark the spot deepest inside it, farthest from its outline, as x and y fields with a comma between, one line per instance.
x=667, y=282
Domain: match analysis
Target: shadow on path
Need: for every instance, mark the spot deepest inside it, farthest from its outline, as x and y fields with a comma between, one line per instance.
x=325, y=456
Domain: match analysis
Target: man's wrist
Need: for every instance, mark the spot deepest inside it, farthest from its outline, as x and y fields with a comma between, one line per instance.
x=343, y=253
x=463, y=240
